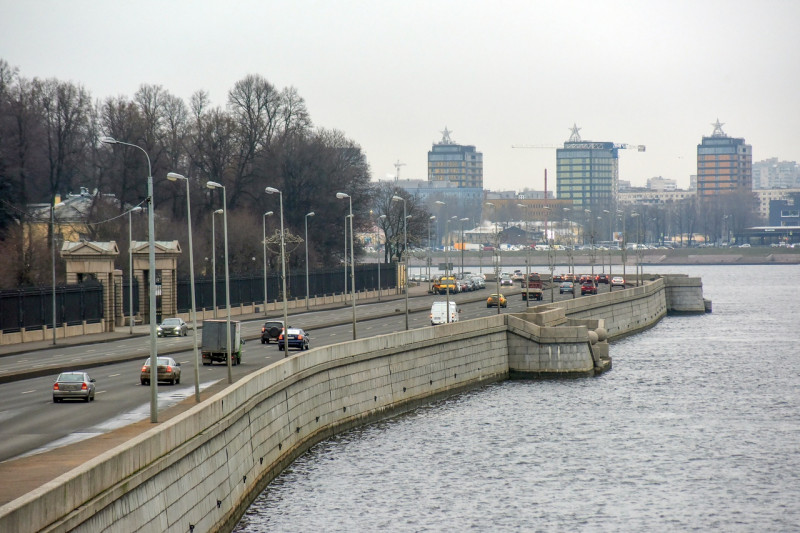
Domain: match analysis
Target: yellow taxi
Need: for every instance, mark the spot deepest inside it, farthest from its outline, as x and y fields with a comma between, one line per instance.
x=496, y=299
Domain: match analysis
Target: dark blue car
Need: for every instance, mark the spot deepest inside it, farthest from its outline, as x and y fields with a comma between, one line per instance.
x=295, y=338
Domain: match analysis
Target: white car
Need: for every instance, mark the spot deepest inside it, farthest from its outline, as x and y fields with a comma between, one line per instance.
x=617, y=281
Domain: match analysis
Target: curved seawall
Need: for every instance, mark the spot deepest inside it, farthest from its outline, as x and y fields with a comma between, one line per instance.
x=202, y=469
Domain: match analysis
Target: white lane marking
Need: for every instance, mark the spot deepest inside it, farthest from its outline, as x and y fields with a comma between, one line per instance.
x=113, y=375
x=29, y=391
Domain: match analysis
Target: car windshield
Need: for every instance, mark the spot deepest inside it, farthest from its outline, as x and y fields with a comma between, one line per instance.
x=70, y=377
x=161, y=361
x=172, y=322
x=273, y=325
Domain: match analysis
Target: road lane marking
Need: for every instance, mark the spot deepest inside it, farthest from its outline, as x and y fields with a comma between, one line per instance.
x=113, y=375
x=29, y=391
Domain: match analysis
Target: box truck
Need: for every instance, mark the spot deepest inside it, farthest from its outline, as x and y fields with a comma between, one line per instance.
x=215, y=342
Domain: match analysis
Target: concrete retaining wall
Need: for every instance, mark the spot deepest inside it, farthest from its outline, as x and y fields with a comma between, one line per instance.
x=202, y=469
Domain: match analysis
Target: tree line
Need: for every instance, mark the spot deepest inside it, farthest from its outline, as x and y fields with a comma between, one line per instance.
x=50, y=145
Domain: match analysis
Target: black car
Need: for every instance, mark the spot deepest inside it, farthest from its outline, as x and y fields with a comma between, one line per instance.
x=271, y=330
x=296, y=338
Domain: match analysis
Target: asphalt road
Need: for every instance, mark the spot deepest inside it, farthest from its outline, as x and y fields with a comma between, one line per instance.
x=31, y=423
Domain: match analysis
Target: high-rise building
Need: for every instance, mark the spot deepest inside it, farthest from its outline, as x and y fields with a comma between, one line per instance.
x=724, y=164
x=461, y=165
x=587, y=173
x=774, y=174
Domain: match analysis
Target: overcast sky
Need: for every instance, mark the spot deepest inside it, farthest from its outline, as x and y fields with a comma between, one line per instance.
x=393, y=74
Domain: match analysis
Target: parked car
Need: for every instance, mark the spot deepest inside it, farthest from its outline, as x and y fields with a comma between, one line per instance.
x=73, y=385
x=271, y=330
x=295, y=338
x=617, y=281
x=496, y=299
x=588, y=288
x=566, y=286
x=601, y=278
x=172, y=326
x=168, y=370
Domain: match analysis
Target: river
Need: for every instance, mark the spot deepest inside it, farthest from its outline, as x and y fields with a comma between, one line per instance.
x=696, y=428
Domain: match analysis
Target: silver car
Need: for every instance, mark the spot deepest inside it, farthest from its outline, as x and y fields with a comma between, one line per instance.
x=168, y=370
x=73, y=385
x=172, y=326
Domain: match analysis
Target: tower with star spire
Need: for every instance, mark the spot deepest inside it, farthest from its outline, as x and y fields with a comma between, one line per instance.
x=455, y=165
x=724, y=164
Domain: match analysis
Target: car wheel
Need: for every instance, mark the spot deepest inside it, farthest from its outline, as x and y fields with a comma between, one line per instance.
x=86, y=399
x=178, y=381
x=145, y=382
x=280, y=347
x=56, y=400
x=263, y=341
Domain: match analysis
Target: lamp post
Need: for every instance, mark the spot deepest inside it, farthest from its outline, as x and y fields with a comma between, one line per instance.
x=380, y=289
x=53, y=257
x=264, y=244
x=311, y=214
x=340, y=196
x=273, y=190
x=173, y=176
x=636, y=252
x=214, y=261
x=136, y=209
x=152, y=276
x=430, y=254
x=496, y=256
x=396, y=198
x=461, y=227
x=527, y=257
x=215, y=185
x=447, y=264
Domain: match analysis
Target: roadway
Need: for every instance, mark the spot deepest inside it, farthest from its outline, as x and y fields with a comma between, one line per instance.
x=32, y=424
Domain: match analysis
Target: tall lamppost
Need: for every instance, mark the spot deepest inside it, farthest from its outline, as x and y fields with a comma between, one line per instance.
x=136, y=209
x=53, y=258
x=214, y=260
x=496, y=256
x=447, y=264
x=152, y=260
x=527, y=256
x=396, y=198
x=461, y=228
x=311, y=214
x=430, y=254
x=638, y=225
x=340, y=196
x=264, y=243
x=273, y=190
x=215, y=185
x=380, y=263
x=173, y=176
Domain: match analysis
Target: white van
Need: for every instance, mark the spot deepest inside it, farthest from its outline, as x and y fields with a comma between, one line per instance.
x=439, y=313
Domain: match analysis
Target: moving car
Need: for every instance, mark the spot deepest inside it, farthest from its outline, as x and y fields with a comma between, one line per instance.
x=588, y=288
x=506, y=280
x=439, y=313
x=172, y=326
x=496, y=299
x=566, y=286
x=72, y=385
x=295, y=338
x=271, y=330
x=558, y=278
x=168, y=370
x=601, y=278
x=617, y=281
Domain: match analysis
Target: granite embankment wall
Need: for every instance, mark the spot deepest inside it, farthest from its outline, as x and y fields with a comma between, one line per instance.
x=202, y=469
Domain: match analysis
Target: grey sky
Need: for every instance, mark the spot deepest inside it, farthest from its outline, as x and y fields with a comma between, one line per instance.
x=392, y=74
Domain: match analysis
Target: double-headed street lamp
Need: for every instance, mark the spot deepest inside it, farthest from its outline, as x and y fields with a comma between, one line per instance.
x=273, y=190
x=215, y=185
x=396, y=198
x=340, y=196
x=152, y=260
x=264, y=243
x=136, y=209
x=430, y=253
x=173, y=176
x=311, y=214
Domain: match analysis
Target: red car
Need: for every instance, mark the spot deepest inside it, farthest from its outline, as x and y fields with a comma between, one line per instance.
x=588, y=288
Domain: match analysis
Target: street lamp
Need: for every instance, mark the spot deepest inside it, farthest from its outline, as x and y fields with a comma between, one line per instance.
x=152, y=260
x=396, y=198
x=528, y=256
x=496, y=255
x=173, y=176
x=214, y=260
x=273, y=190
x=461, y=227
x=136, y=209
x=637, y=245
x=430, y=253
x=53, y=257
x=380, y=263
x=215, y=185
x=264, y=243
x=311, y=214
x=340, y=196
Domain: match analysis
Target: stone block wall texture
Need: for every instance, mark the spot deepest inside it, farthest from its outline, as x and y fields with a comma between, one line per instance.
x=203, y=468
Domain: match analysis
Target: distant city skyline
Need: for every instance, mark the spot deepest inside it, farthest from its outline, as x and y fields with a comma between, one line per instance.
x=392, y=75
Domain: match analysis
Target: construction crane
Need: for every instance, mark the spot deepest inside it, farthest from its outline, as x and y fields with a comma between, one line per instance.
x=397, y=166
